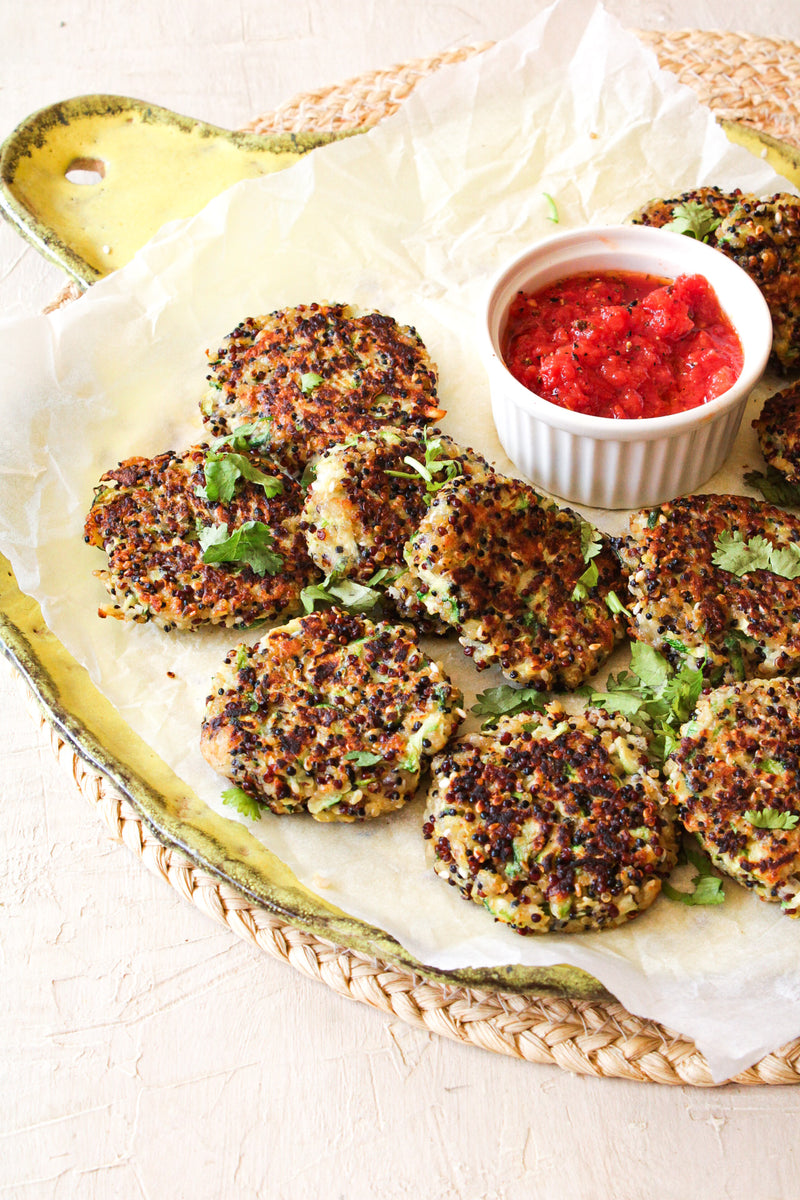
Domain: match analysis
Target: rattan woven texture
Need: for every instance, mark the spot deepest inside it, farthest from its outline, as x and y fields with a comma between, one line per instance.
x=740, y=78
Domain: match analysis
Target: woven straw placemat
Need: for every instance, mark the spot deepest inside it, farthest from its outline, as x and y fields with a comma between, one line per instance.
x=740, y=78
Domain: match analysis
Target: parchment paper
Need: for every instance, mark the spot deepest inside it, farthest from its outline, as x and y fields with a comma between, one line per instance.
x=412, y=218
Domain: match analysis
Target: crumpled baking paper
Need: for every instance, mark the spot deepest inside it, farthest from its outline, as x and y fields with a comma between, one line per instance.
x=412, y=218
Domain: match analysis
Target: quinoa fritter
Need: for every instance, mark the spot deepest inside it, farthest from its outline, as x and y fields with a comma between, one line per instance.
x=778, y=430
x=735, y=626
x=316, y=374
x=735, y=773
x=330, y=713
x=504, y=567
x=660, y=212
x=763, y=237
x=552, y=822
x=367, y=499
x=148, y=514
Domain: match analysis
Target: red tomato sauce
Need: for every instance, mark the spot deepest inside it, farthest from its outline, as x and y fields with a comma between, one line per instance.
x=623, y=344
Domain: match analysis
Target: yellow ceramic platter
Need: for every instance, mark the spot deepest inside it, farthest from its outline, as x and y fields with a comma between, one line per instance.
x=88, y=182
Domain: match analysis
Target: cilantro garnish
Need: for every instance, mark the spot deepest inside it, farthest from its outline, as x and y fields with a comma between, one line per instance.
x=250, y=544
x=771, y=818
x=363, y=758
x=224, y=469
x=356, y=597
x=506, y=700
x=591, y=545
x=309, y=380
x=615, y=605
x=774, y=487
x=242, y=802
x=740, y=557
x=653, y=695
x=552, y=210
x=706, y=887
x=433, y=465
x=255, y=433
x=694, y=219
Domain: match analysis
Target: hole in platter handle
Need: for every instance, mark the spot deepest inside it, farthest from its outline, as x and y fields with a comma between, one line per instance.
x=86, y=172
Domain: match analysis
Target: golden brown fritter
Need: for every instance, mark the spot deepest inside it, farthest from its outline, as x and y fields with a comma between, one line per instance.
x=151, y=517
x=316, y=374
x=330, y=713
x=367, y=498
x=551, y=821
x=735, y=781
x=778, y=430
x=763, y=237
x=515, y=575
x=660, y=212
x=683, y=604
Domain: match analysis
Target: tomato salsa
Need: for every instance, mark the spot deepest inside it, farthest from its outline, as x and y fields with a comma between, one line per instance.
x=623, y=344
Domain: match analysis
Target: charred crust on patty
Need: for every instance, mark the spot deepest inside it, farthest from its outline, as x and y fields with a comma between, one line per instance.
x=692, y=610
x=738, y=762
x=331, y=714
x=778, y=429
x=502, y=565
x=551, y=821
x=146, y=515
x=315, y=374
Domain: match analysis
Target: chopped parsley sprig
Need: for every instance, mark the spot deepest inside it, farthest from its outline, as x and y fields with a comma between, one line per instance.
x=771, y=818
x=506, y=701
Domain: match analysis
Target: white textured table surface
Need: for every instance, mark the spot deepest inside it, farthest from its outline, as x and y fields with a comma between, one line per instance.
x=147, y=1052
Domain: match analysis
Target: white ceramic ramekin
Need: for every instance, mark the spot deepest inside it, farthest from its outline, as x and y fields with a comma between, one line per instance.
x=599, y=461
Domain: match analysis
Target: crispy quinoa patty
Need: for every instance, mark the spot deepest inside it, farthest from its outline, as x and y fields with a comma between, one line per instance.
x=503, y=566
x=330, y=713
x=778, y=430
x=763, y=237
x=146, y=516
x=660, y=212
x=367, y=499
x=317, y=373
x=550, y=821
x=738, y=762
x=683, y=604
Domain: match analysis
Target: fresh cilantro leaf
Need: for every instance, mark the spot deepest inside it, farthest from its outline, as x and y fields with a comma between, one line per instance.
x=740, y=557
x=250, y=544
x=586, y=581
x=552, y=210
x=774, y=487
x=433, y=465
x=242, y=802
x=707, y=890
x=254, y=434
x=505, y=700
x=308, y=476
x=224, y=469
x=615, y=605
x=363, y=758
x=771, y=818
x=309, y=380
x=356, y=597
x=591, y=541
x=694, y=219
